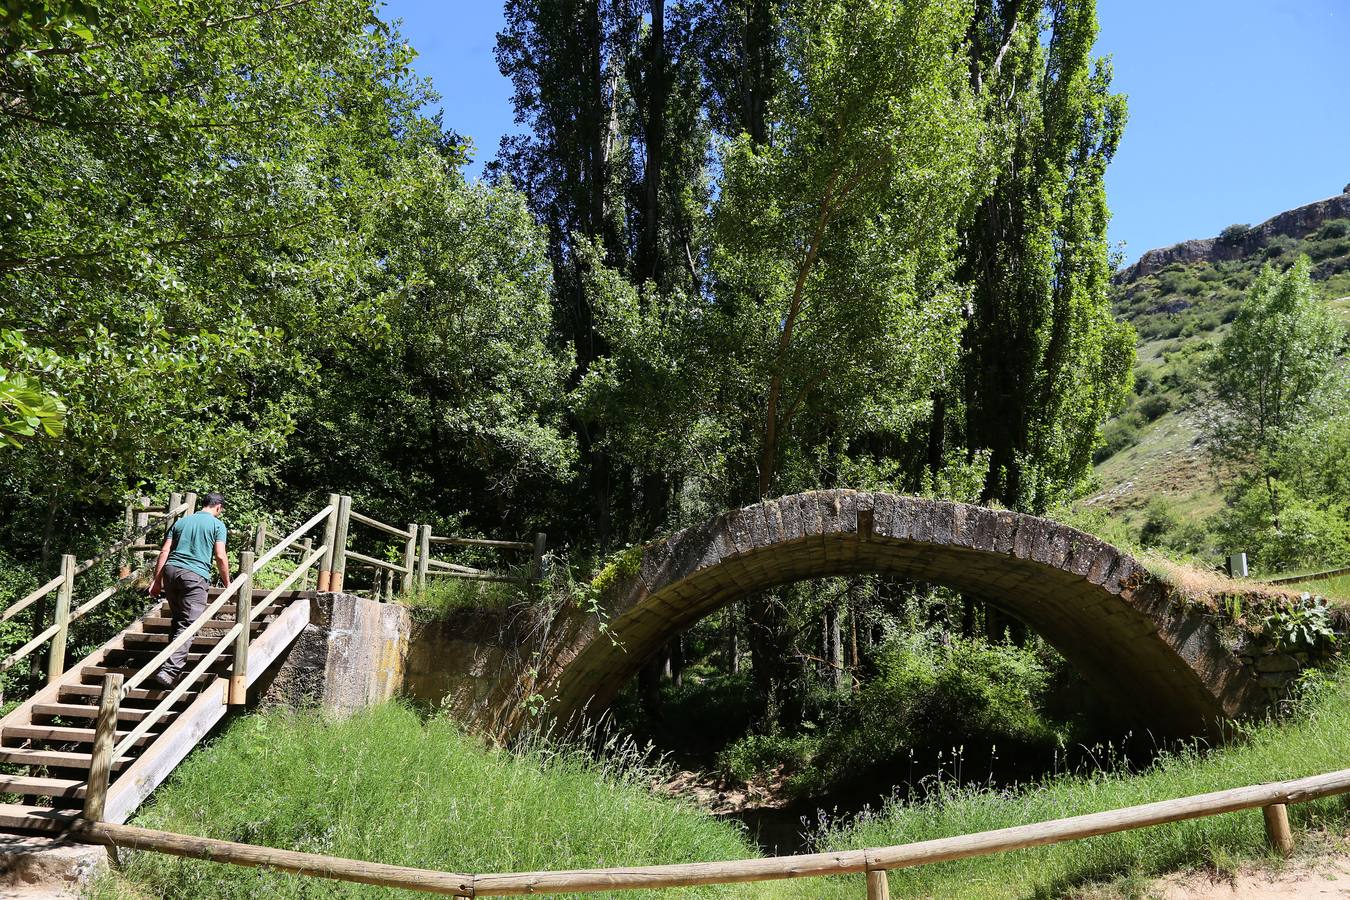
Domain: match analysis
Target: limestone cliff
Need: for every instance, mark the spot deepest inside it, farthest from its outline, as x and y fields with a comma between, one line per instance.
x=1295, y=223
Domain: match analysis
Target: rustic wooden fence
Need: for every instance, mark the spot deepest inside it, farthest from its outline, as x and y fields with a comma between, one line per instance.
x=140, y=521
x=1312, y=576
x=300, y=549
x=873, y=863
x=413, y=545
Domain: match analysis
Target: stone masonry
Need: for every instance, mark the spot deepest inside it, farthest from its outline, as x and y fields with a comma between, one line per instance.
x=1153, y=655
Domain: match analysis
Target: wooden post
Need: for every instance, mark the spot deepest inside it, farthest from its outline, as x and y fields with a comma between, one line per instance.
x=344, y=519
x=101, y=758
x=142, y=520
x=376, y=583
x=259, y=539
x=1278, y=835
x=124, y=557
x=537, y=565
x=175, y=499
x=423, y=556
x=877, y=886
x=56, y=657
x=190, y=498
x=243, y=605
x=329, y=541
x=306, y=548
x=409, y=560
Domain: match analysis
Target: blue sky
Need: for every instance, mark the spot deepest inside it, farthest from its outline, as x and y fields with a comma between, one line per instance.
x=1238, y=108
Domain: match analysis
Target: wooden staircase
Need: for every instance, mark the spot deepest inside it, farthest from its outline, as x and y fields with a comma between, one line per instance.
x=45, y=743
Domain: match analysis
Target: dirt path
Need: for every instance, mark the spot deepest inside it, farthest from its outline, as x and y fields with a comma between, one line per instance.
x=1320, y=877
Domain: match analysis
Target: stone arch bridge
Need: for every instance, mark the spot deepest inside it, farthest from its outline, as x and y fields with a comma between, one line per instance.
x=1155, y=656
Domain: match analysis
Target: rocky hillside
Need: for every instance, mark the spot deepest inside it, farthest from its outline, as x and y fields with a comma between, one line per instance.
x=1180, y=299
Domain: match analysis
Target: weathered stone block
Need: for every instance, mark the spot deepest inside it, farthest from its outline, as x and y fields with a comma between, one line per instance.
x=1276, y=662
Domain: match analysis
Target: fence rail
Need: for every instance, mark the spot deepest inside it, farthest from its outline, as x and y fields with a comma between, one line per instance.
x=1311, y=576
x=1271, y=798
x=268, y=545
x=64, y=585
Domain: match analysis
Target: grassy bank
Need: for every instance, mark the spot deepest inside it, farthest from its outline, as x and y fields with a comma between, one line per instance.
x=1313, y=742
x=389, y=787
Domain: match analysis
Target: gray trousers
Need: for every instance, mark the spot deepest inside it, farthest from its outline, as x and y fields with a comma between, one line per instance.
x=186, y=592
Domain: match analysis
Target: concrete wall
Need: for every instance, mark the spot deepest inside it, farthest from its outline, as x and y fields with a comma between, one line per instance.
x=351, y=655
x=472, y=663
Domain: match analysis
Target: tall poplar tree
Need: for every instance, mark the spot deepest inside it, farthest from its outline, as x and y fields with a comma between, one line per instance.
x=1044, y=361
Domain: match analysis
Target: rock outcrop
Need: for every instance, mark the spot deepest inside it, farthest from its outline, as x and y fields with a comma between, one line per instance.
x=1295, y=223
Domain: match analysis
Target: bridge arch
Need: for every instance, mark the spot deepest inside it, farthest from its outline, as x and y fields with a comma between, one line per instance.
x=1152, y=656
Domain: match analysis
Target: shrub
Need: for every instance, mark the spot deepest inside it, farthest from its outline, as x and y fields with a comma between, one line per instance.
x=1155, y=406
x=1234, y=234
x=1335, y=228
x=928, y=689
x=1159, y=521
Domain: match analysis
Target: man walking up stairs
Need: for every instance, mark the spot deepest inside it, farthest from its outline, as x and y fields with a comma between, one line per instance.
x=183, y=574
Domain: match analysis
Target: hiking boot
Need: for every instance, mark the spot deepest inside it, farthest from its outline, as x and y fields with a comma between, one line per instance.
x=163, y=680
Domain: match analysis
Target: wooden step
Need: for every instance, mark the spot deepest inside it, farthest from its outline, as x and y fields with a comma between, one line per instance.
x=160, y=641
x=139, y=656
x=155, y=622
x=98, y=673
x=31, y=785
x=52, y=759
x=19, y=817
x=81, y=711
x=58, y=734
x=146, y=695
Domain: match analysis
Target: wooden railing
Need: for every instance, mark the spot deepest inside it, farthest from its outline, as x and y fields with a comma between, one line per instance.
x=414, y=564
x=64, y=585
x=1311, y=576
x=133, y=554
x=429, y=566
x=873, y=863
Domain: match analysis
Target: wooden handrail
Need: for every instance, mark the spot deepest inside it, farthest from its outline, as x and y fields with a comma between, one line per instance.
x=130, y=538
x=377, y=563
x=482, y=542
x=507, y=579
x=211, y=655
x=127, y=541
x=1311, y=576
x=808, y=865
x=188, y=633
x=16, y=608
x=378, y=525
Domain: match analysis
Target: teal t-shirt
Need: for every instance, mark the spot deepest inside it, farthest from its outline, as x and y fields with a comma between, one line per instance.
x=194, y=542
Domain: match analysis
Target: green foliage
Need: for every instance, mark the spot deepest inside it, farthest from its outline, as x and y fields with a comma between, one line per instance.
x=1308, y=743
x=26, y=410
x=1046, y=361
x=228, y=230
x=928, y=690
x=1309, y=534
x=1305, y=625
x=388, y=787
x=834, y=244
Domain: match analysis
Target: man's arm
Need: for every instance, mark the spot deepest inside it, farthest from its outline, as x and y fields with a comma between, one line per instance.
x=222, y=564
x=164, y=551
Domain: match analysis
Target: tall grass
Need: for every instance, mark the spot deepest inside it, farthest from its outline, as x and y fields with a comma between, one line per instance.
x=387, y=786
x=1314, y=742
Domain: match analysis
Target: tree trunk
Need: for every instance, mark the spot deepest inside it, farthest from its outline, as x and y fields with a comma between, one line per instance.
x=834, y=642
x=649, y=263
x=733, y=639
